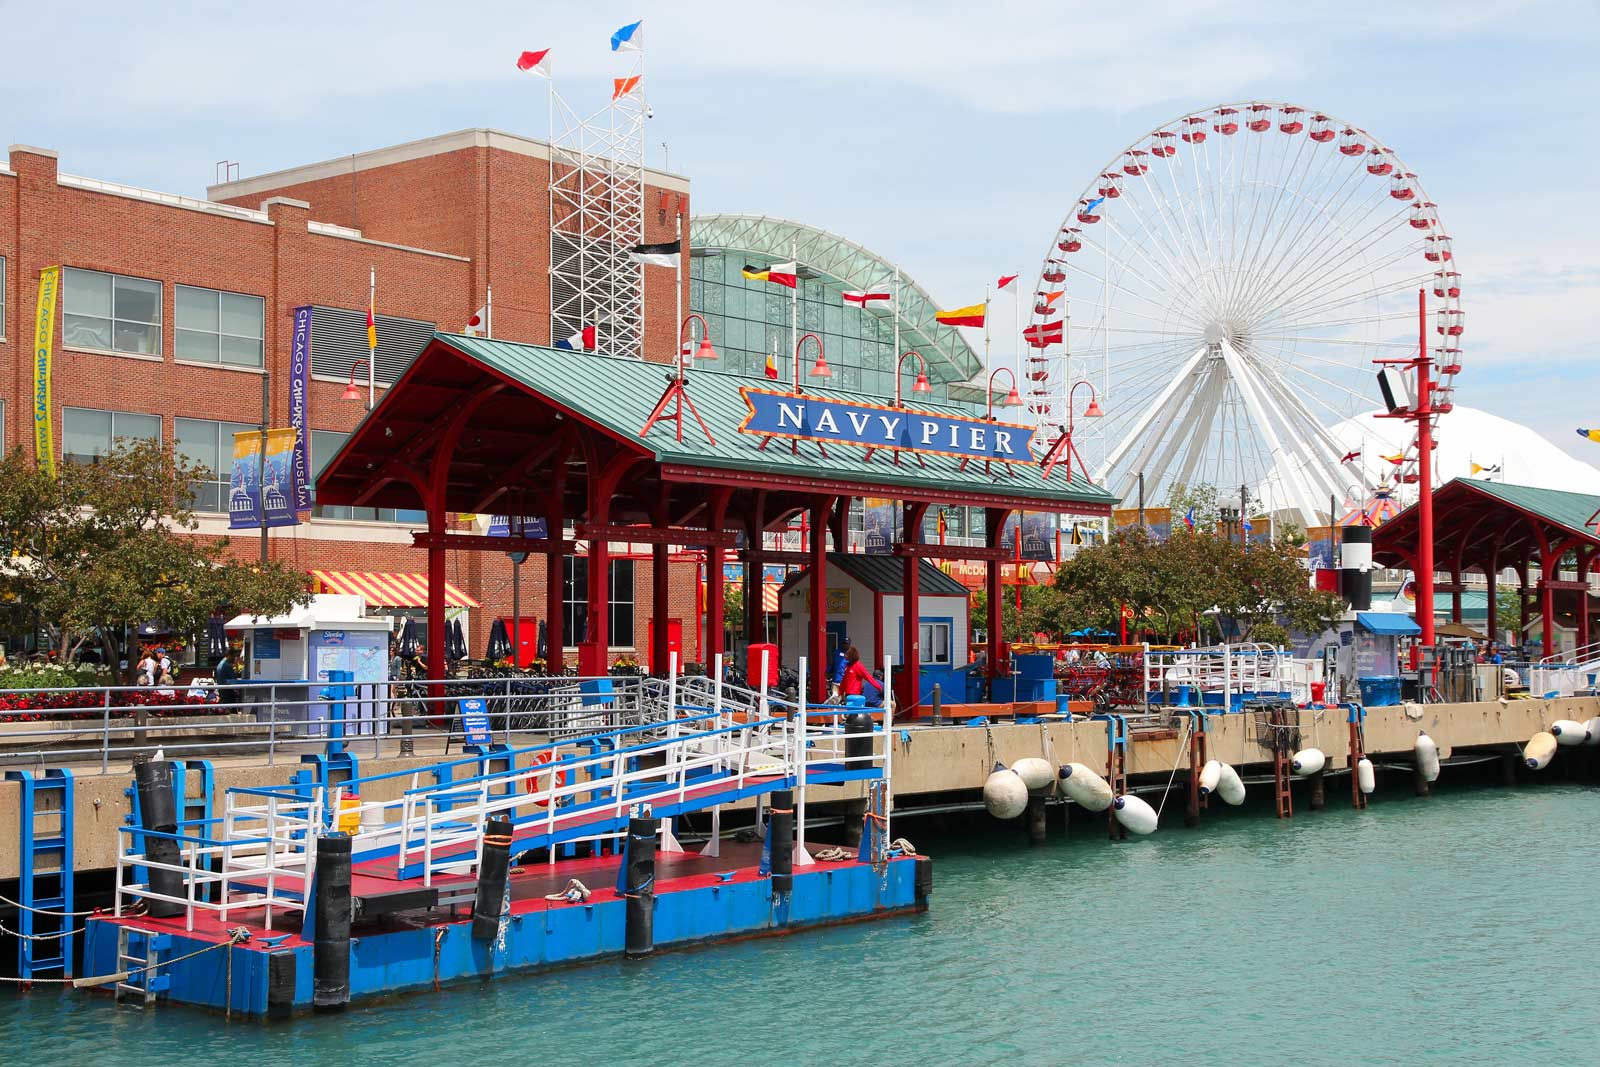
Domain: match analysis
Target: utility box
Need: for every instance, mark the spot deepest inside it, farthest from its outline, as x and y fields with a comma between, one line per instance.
x=289, y=658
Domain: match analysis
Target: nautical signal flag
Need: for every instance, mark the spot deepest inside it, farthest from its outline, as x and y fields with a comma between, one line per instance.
x=664, y=254
x=1188, y=518
x=786, y=274
x=479, y=319
x=772, y=366
x=621, y=87
x=1005, y=280
x=372, y=329
x=868, y=299
x=1350, y=456
x=1478, y=468
x=1048, y=298
x=630, y=38
x=535, y=62
x=1044, y=334
x=1397, y=459
x=967, y=316
x=1593, y=435
x=584, y=340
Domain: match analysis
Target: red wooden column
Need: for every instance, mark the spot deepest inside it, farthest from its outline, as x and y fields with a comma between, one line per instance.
x=1455, y=594
x=555, y=574
x=755, y=524
x=593, y=658
x=716, y=519
x=1522, y=600
x=994, y=520
x=818, y=644
x=1584, y=556
x=436, y=586
x=909, y=688
x=1548, y=564
x=1490, y=577
x=660, y=617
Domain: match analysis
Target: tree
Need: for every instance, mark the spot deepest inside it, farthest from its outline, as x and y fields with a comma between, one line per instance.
x=733, y=608
x=108, y=545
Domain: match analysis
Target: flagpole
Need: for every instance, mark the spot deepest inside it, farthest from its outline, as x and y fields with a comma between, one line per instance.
x=896, y=299
x=794, y=316
x=986, y=329
x=1016, y=322
x=488, y=312
x=678, y=284
x=372, y=341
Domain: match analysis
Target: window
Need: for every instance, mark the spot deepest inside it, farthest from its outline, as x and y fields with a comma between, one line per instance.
x=88, y=434
x=933, y=642
x=110, y=313
x=575, y=602
x=210, y=445
x=217, y=327
x=339, y=342
x=325, y=444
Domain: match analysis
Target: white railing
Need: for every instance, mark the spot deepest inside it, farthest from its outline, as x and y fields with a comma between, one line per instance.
x=1565, y=672
x=1219, y=672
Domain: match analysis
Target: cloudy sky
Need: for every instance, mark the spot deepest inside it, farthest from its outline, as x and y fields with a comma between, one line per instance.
x=950, y=137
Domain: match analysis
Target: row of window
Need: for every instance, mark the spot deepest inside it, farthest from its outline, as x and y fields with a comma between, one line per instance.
x=104, y=312
x=88, y=433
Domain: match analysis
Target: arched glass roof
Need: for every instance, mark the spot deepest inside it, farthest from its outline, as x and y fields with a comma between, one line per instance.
x=842, y=264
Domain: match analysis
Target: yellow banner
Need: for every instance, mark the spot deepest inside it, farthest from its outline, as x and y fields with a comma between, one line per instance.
x=44, y=337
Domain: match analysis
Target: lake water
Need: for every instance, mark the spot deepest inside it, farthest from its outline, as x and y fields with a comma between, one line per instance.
x=1452, y=930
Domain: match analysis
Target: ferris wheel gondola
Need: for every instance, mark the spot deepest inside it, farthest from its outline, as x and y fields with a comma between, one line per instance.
x=1231, y=276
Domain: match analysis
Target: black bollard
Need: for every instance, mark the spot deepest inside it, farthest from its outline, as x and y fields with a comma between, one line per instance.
x=330, y=956
x=1319, y=797
x=639, y=935
x=937, y=702
x=858, y=749
x=1509, y=762
x=158, y=811
x=782, y=830
x=1034, y=818
x=493, y=864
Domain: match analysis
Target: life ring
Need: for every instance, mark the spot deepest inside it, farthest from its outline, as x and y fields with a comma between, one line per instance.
x=553, y=780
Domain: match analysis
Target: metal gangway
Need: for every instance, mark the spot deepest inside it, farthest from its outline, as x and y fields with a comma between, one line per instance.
x=699, y=745
x=1220, y=676
x=1566, y=673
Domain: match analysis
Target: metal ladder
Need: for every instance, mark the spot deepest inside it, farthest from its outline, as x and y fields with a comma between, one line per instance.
x=139, y=954
x=1116, y=769
x=45, y=872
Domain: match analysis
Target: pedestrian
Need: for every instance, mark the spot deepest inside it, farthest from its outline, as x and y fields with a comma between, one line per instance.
x=147, y=669
x=400, y=708
x=856, y=675
x=230, y=672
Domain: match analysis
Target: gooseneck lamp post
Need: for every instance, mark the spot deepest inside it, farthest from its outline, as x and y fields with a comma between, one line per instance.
x=1012, y=398
x=350, y=390
x=819, y=369
x=921, y=385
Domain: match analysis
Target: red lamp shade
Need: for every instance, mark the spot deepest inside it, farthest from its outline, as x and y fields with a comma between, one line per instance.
x=1012, y=399
x=820, y=368
x=922, y=385
x=351, y=392
x=1093, y=410
x=705, y=351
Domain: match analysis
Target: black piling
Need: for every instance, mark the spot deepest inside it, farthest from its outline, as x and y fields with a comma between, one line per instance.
x=330, y=957
x=782, y=824
x=858, y=746
x=1509, y=762
x=639, y=936
x=1319, y=795
x=1034, y=818
x=492, y=868
x=158, y=811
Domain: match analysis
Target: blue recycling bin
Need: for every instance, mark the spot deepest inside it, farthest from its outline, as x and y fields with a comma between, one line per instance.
x=1380, y=690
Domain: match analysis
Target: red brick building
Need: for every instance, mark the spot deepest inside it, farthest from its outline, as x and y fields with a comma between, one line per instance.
x=175, y=315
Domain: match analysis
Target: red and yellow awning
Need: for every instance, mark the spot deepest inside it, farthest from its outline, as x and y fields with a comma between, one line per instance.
x=385, y=590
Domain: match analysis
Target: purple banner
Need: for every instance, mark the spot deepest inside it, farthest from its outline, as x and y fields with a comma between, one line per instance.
x=299, y=378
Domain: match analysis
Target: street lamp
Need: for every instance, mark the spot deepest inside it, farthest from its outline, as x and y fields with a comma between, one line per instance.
x=1012, y=398
x=819, y=369
x=1062, y=449
x=921, y=385
x=350, y=391
x=705, y=350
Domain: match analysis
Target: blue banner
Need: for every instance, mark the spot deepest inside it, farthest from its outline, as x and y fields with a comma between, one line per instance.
x=299, y=377
x=875, y=426
x=528, y=526
x=879, y=516
x=248, y=505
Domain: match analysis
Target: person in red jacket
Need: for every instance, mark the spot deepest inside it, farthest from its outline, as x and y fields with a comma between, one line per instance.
x=856, y=675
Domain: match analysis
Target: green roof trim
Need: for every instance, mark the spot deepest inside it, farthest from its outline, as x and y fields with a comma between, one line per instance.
x=1575, y=511
x=887, y=574
x=618, y=394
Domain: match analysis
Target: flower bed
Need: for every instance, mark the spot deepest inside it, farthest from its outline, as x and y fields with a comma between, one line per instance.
x=21, y=701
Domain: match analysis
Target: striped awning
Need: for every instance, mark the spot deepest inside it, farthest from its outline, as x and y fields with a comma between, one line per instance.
x=384, y=590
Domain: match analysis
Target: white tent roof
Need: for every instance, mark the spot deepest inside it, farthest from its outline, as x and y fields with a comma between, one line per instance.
x=327, y=611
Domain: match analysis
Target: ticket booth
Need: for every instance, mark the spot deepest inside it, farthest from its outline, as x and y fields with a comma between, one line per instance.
x=288, y=659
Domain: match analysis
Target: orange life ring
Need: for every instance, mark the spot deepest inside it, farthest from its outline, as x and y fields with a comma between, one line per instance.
x=554, y=780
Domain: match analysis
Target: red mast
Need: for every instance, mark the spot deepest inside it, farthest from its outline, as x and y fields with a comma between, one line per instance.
x=1424, y=415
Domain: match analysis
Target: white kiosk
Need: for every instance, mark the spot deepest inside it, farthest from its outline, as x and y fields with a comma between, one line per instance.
x=295, y=653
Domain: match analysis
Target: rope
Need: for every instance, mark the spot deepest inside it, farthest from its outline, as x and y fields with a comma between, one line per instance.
x=1188, y=736
x=237, y=936
x=575, y=892
x=68, y=932
x=42, y=911
x=833, y=855
x=905, y=847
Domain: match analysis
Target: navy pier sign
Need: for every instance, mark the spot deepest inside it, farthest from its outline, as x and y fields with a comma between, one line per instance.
x=876, y=426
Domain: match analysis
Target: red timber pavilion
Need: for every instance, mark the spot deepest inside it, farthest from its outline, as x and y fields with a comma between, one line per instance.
x=478, y=425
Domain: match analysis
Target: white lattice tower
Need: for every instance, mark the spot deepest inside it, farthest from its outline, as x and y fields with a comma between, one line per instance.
x=597, y=218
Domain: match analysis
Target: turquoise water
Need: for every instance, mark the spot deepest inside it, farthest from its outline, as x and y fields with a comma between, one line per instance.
x=1452, y=930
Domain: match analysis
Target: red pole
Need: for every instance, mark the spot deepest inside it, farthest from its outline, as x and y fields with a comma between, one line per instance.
x=1424, y=475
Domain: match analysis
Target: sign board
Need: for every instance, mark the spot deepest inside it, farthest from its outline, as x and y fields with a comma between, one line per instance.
x=527, y=526
x=810, y=418
x=475, y=721
x=265, y=646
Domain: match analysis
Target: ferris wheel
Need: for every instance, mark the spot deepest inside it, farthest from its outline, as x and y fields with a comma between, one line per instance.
x=1225, y=283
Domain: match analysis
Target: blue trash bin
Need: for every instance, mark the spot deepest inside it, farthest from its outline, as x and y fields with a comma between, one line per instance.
x=1380, y=690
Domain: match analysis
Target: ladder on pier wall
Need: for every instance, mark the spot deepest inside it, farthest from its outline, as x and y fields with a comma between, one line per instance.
x=1357, y=718
x=139, y=958
x=1116, y=769
x=44, y=883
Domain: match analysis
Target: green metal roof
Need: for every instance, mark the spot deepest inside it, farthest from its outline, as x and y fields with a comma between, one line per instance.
x=1575, y=511
x=618, y=395
x=845, y=265
x=887, y=574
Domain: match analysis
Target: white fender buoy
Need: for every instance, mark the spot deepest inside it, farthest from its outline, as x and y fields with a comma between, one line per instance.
x=1086, y=787
x=1427, y=753
x=1230, y=787
x=1308, y=761
x=1036, y=774
x=1569, y=732
x=1592, y=728
x=1366, y=776
x=1135, y=815
x=1210, y=774
x=1539, y=750
x=1005, y=794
